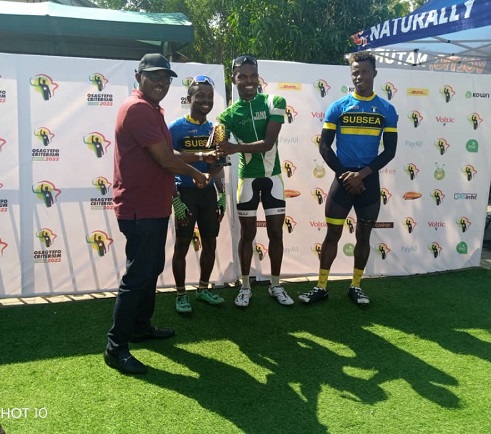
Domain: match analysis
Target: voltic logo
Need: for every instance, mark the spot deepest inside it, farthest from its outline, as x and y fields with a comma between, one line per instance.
x=447, y=92
x=99, y=241
x=442, y=145
x=97, y=143
x=411, y=170
x=260, y=250
x=47, y=237
x=383, y=250
x=385, y=195
x=290, y=223
x=389, y=89
x=44, y=85
x=416, y=118
x=475, y=119
x=464, y=223
x=290, y=113
x=47, y=192
x=98, y=80
x=319, y=194
x=289, y=168
x=322, y=87
x=435, y=249
x=3, y=246
x=410, y=224
x=469, y=171
x=437, y=196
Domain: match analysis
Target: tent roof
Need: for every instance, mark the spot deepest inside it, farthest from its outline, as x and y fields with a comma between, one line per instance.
x=439, y=31
x=55, y=29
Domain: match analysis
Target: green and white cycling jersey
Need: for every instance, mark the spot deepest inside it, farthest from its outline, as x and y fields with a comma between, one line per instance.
x=247, y=121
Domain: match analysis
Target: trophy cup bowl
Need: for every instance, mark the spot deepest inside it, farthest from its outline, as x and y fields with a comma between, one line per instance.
x=218, y=135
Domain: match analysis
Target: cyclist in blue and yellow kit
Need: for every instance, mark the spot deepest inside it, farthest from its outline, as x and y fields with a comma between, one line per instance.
x=357, y=121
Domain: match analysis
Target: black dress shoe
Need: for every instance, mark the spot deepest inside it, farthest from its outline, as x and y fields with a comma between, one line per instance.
x=152, y=333
x=125, y=363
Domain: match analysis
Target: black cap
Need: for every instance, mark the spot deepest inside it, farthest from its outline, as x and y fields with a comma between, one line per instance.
x=155, y=62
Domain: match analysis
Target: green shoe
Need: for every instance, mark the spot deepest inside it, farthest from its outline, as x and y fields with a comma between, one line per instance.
x=209, y=296
x=182, y=304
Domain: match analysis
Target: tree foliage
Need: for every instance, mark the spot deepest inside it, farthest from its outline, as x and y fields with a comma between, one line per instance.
x=310, y=31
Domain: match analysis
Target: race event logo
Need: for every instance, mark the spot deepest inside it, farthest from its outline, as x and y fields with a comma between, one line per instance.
x=447, y=92
x=319, y=171
x=350, y=223
x=442, y=145
x=439, y=173
x=262, y=85
x=410, y=224
x=3, y=96
x=45, y=136
x=4, y=203
x=260, y=250
x=385, y=195
x=47, y=192
x=97, y=143
x=464, y=223
x=196, y=239
x=99, y=241
x=435, y=249
x=475, y=119
x=290, y=223
x=289, y=168
x=44, y=85
x=47, y=237
x=383, y=250
x=411, y=171
x=319, y=194
x=2, y=142
x=437, y=196
x=316, y=140
x=469, y=171
x=102, y=185
x=416, y=118
x=99, y=99
x=3, y=246
x=317, y=248
x=322, y=87
x=290, y=113
x=389, y=89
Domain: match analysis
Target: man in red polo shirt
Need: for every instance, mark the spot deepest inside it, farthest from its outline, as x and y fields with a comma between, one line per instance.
x=144, y=169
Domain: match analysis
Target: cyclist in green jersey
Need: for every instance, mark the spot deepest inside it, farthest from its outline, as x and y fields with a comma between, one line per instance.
x=255, y=121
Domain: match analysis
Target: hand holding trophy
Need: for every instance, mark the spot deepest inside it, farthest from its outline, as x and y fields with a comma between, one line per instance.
x=218, y=135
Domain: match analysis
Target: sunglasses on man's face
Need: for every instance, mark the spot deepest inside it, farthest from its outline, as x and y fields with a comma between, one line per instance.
x=201, y=79
x=238, y=61
x=156, y=77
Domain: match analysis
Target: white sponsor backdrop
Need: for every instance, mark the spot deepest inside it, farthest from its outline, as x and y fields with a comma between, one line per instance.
x=58, y=233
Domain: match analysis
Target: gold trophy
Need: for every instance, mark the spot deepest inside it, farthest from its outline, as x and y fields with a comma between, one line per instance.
x=218, y=134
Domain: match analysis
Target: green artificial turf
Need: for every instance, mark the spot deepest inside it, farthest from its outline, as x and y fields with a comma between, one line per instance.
x=417, y=360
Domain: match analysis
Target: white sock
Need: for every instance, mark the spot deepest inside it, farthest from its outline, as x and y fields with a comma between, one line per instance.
x=245, y=282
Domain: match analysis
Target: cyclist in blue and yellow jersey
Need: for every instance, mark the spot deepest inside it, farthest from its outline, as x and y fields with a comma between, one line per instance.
x=358, y=122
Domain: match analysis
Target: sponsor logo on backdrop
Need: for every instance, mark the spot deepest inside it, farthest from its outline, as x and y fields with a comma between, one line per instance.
x=470, y=94
x=444, y=120
x=383, y=225
x=410, y=224
x=416, y=118
x=196, y=239
x=316, y=140
x=442, y=145
x=97, y=143
x=47, y=192
x=383, y=250
x=435, y=249
x=447, y=92
x=290, y=223
x=318, y=224
x=350, y=223
x=411, y=195
x=102, y=185
x=347, y=89
x=389, y=89
x=262, y=85
x=316, y=249
x=289, y=140
x=47, y=237
x=296, y=87
x=464, y=223
x=409, y=249
x=98, y=80
x=99, y=241
x=475, y=119
x=461, y=248
x=439, y=173
x=289, y=168
x=2, y=142
x=437, y=196
x=469, y=171
x=3, y=96
x=465, y=196
x=322, y=87
x=385, y=195
x=100, y=99
x=290, y=250
x=319, y=171
x=3, y=246
x=45, y=136
x=411, y=170
x=414, y=144
x=436, y=224
x=291, y=193
x=414, y=91
x=44, y=85
x=349, y=249
x=260, y=251
x=290, y=114
x=319, y=195
x=472, y=145
x=318, y=115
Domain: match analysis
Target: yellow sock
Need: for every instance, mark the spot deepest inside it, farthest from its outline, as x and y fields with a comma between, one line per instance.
x=323, y=276
x=357, y=277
